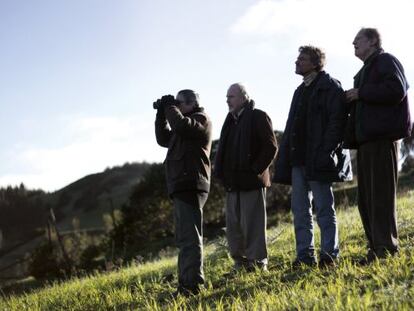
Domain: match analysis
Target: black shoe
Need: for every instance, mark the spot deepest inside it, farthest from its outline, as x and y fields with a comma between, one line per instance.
x=257, y=266
x=187, y=291
x=384, y=253
x=237, y=268
x=167, y=278
x=368, y=259
x=375, y=255
x=240, y=263
x=310, y=262
x=327, y=262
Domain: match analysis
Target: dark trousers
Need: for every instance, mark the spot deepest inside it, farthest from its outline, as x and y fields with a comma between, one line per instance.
x=377, y=185
x=188, y=216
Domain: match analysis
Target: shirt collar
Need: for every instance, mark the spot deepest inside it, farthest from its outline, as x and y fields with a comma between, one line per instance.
x=308, y=79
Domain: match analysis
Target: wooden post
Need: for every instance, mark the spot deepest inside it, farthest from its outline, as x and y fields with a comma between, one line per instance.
x=60, y=240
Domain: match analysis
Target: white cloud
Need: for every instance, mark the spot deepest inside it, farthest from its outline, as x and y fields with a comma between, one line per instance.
x=276, y=28
x=328, y=23
x=96, y=143
x=268, y=17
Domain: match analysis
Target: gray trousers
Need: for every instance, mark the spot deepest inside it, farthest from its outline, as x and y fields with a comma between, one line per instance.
x=246, y=225
x=188, y=216
x=377, y=186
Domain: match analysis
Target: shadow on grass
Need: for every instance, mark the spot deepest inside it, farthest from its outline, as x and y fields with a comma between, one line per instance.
x=24, y=287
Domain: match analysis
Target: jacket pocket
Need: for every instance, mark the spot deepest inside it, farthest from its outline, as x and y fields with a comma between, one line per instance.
x=176, y=167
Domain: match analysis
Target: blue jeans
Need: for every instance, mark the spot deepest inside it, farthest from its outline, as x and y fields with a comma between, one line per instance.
x=303, y=191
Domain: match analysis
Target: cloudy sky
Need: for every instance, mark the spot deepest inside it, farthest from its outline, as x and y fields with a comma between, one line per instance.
x=78, y=77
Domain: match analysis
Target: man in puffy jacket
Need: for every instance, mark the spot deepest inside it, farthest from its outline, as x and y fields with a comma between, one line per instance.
x=311, y=156
x=379, y=117
x=246, y=149
x=185, y=129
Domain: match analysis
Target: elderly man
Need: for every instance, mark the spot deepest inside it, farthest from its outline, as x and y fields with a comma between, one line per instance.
x=379, y=116
x=246, y=149
x=185, y=129
x=311, y=157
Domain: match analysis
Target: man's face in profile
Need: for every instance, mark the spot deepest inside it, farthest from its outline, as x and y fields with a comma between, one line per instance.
x=304, y=64
x=235, y=99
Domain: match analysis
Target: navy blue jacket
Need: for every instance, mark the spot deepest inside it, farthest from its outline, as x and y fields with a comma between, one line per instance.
x=384, y=109
x=326, y=160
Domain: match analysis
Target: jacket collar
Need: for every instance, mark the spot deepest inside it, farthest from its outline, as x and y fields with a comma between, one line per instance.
x=248, y=106
x=374, y=55
x=368, y=62
x=323, y=81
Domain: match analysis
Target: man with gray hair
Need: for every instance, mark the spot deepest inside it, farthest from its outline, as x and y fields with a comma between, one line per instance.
x=246, y=149
x=379, y=117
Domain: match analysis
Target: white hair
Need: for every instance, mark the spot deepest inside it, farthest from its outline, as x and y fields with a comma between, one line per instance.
x=242, y=88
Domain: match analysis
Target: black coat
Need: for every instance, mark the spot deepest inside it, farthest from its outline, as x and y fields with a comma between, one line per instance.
x=254, y=149
x=384, y=110
x=326, y=115
x=188, y=139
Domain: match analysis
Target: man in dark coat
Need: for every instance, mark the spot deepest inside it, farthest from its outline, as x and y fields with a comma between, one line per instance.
x=379, y=117
x=246, y=149
x=185, y=129
x=311, y=156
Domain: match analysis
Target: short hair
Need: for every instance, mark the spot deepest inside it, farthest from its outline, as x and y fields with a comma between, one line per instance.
x=242, y=88
x=372, y=33
x=317, y=56
x=190, y=96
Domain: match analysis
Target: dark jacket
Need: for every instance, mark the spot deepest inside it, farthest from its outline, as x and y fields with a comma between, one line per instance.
x=254, y=148
x=188, y=139
x=383, y=111
x=326, y=160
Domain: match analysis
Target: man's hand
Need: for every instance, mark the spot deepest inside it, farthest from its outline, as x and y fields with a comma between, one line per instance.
x=168, y=100
x=351, y=95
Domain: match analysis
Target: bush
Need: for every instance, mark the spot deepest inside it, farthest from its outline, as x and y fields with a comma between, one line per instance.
x=46, y=263
x=146, y=217
x=89, y=258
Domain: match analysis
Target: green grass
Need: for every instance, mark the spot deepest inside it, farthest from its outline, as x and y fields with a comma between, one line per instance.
x=384, y=285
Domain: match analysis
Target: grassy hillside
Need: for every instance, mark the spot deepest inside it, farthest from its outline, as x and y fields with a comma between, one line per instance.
x=386, y=284
x=88, y=198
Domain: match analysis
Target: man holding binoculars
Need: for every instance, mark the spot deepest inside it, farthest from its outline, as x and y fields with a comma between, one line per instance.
x=185, y=129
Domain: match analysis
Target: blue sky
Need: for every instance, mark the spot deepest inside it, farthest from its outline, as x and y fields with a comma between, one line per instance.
x=78, y=77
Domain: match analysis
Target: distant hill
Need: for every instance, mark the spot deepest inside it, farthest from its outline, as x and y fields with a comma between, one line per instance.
x=90, y=197
x=23, y=213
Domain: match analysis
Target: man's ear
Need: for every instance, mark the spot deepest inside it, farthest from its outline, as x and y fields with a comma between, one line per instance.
x=373, y=41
